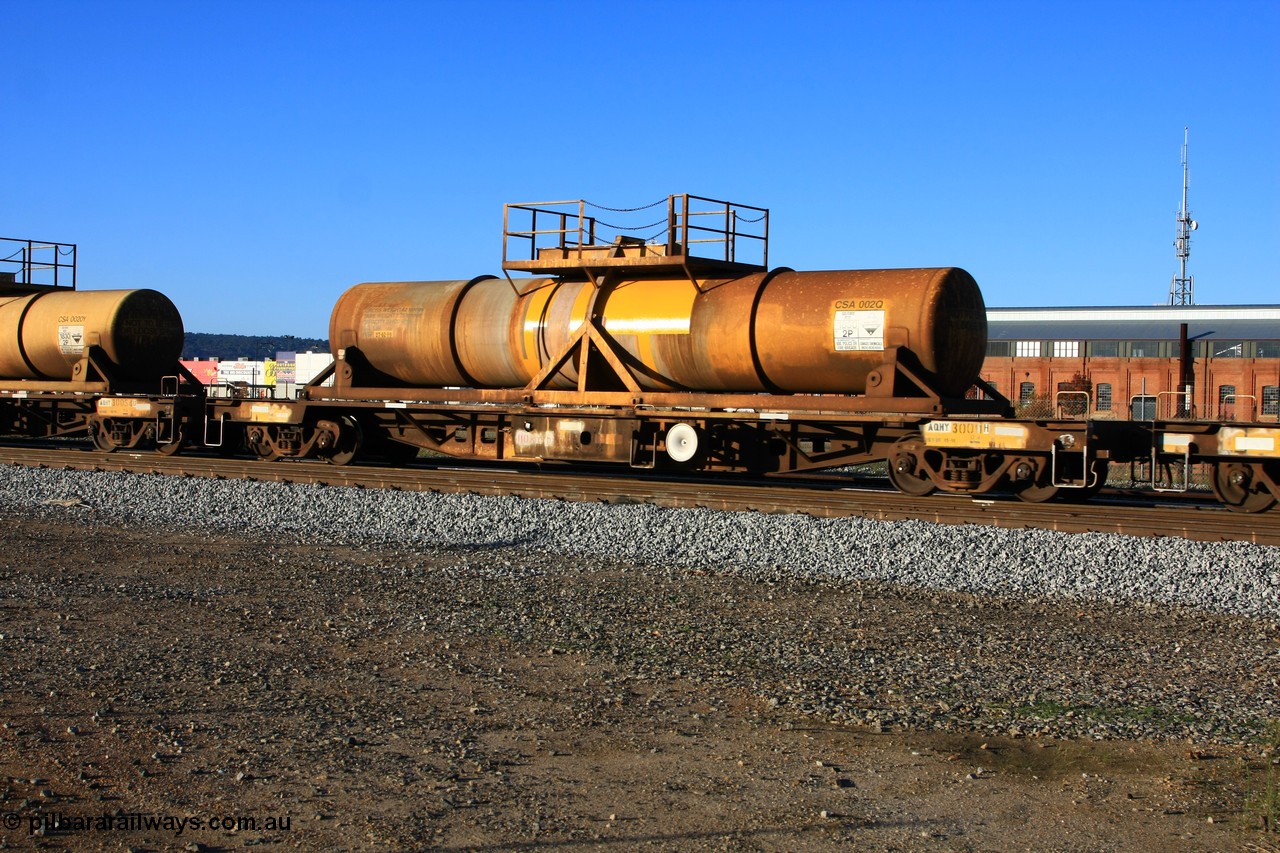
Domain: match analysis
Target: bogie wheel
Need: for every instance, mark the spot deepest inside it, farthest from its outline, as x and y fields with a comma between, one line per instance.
x=1033, y=482
x=906, y=467
x=102, y=439
x=1236, y=485
x=348, y=443
x=260, y=445
x=172, y=448
x=1034, y=493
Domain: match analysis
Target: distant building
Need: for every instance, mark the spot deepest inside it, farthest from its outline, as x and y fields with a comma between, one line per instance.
x=1128, y=360
x=295, y=369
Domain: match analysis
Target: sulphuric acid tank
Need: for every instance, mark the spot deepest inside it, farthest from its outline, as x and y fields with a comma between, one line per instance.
x=780, y=332
x=43, y=335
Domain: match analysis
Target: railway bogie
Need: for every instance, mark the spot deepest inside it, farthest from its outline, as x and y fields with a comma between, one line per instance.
x=1243, y=459
x=336, y=438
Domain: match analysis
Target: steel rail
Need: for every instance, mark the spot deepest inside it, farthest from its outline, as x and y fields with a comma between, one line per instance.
x=1204, y=522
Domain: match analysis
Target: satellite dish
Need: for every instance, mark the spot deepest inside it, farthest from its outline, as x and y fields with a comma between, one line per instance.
x=1194, y=225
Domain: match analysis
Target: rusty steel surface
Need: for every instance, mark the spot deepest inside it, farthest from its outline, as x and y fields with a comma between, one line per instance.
x=893, y=410
x=818, y=331
x=1203, y=522
x=386, y=320
x=703, y=236
x=780, y=332
x=43, y=335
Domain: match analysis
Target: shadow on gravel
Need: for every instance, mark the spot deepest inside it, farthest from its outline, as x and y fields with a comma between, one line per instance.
x=500, y=545
x=833, y=822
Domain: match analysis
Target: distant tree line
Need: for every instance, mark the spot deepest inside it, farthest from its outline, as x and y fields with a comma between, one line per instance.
x=252, y=347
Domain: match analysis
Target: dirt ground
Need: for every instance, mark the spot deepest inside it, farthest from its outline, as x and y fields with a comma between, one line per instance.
x=164, y=691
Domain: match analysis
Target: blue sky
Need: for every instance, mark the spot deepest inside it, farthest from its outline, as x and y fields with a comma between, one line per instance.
x=252, y=160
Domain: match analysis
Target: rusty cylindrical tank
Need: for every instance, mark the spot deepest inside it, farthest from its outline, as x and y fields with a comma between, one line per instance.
x=783, y=332
x=43, y=335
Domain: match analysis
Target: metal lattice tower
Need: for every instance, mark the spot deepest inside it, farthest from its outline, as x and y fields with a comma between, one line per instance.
x=1182, y=288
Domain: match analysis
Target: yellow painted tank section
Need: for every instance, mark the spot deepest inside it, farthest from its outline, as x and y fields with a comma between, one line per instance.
x=650, y=308
x=553, y=315
x=637, y=314
x=404, y=329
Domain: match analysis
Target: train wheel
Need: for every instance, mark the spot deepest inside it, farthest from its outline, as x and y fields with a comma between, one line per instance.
x=348, y=443
x=906, y=467
x=172, y=448
x=1236, y=485
x=260, y=445
x=1036, y=494
x=266, y=453
x=102, y=437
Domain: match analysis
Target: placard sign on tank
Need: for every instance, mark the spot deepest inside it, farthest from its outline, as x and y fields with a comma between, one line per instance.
x=859, y=331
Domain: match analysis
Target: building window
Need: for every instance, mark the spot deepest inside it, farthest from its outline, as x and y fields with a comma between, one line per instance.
x=1227, y=401
x=1028, y=349
x=1144, y=408
x=1104, y=396
x=1103, y=349
x=1227, y=349
x=1026, y=391
x=1142, y=349
x=1271, y=399
x=999, y=349
x=1268, y=349
x=1066, y=349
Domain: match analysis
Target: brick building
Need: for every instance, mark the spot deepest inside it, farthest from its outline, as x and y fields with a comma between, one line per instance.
x=1126, y=362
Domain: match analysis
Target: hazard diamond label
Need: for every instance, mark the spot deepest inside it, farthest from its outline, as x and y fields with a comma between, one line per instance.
x=859, y=331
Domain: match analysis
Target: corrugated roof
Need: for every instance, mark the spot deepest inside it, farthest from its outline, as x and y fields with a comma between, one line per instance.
x=1135, y=323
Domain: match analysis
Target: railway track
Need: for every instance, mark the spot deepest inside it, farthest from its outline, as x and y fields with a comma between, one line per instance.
x=1141, y=517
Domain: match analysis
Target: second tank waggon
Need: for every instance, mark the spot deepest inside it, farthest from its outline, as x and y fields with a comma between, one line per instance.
x=99, y=362
x=45, y=335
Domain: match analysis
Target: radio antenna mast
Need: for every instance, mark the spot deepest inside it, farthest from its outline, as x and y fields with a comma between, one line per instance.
x=1181, y=289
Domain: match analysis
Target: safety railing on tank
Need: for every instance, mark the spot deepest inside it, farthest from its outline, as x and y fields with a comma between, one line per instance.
x=37, y=263
x=693, y=226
